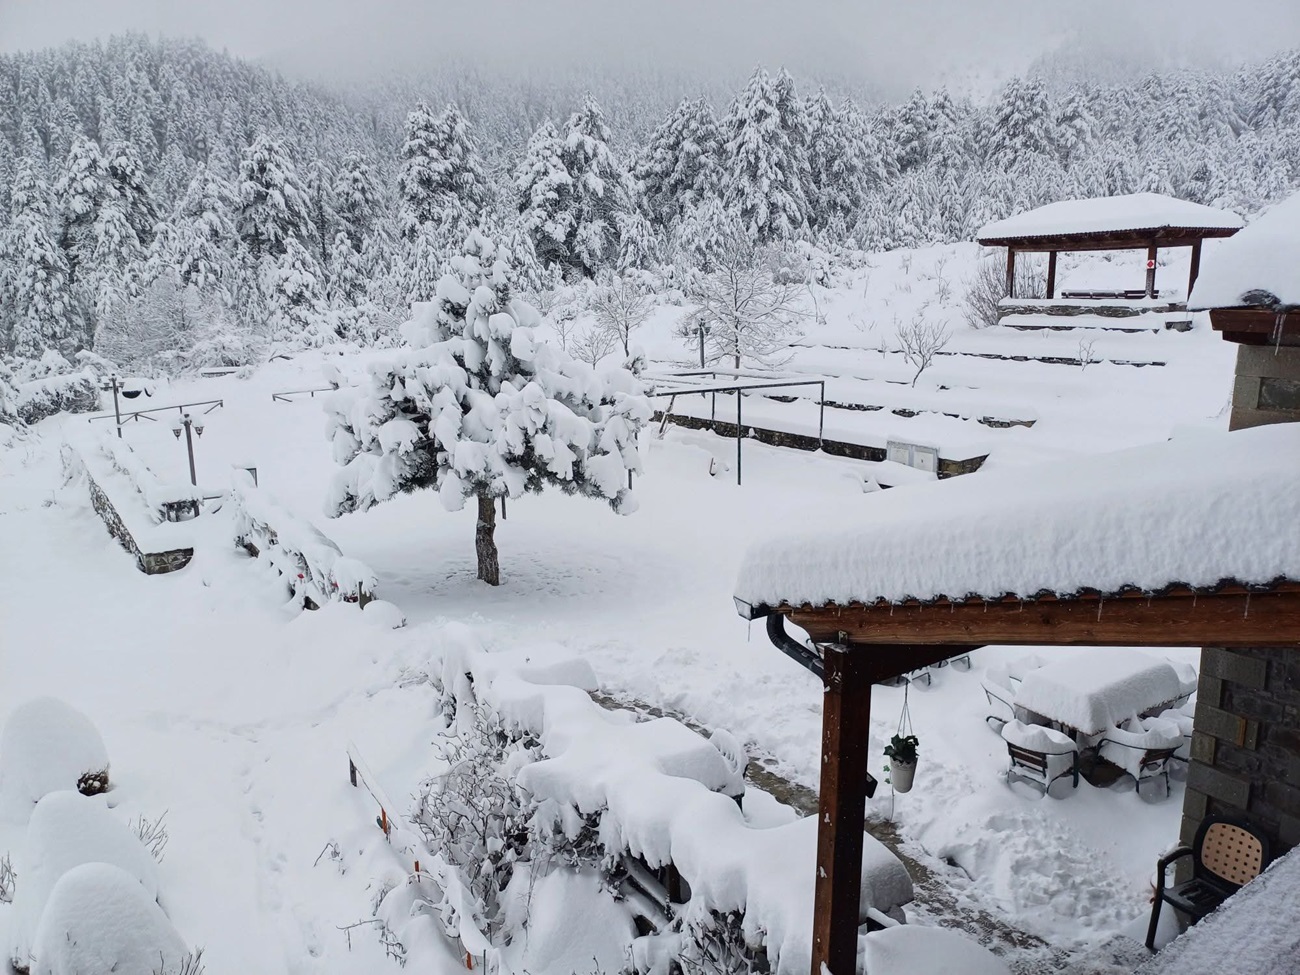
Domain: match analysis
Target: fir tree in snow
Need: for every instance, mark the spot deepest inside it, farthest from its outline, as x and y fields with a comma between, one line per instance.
x=35, y=291
x=322, y=215
x=479, y=407
x=766, y=161
x=544, y=188
x=600, y=191
x=699, y=239
x=356, y=198
x=294, y=290
x=273, y=206
x=201, y=240
x=1022, y=122
x=678, y=168
x=442, y=179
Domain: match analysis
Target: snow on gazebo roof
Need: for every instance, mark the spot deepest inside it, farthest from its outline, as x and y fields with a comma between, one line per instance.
x=1200, y=510
x=1264, y=259
x=1112, y=214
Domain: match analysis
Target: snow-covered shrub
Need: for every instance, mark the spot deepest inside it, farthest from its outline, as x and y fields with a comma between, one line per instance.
x=8, y=398
x=51, y=363
x=100, y=921
x=48, y=746
x=988, y=286
x=713, y=943
x=473, y=814
x=67, y=830
x=7, y=880
x=75, y=393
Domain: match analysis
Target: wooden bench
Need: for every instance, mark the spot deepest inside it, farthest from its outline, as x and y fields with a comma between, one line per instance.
x=1132, y=295
x=1034, y=766
x=1153, y=764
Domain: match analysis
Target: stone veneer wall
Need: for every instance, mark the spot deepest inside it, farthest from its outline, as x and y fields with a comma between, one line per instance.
x=1267, y=386
x=1246, y=742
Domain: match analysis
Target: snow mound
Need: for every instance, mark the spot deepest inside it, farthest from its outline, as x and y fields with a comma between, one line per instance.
x=570, y=922
x=100, y=921
x=49, y=746
x=928, y=951
x=1263, y=258
x=382, y=613
x=66, y=831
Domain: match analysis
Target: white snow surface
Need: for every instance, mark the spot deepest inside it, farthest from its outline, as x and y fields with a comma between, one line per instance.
x=912, y=950
x=1095, y=691
x=1196, y=510
x=67, y=830
x=1133, y=211
x=100, y=921
x=46, y=747
x=1263, y=257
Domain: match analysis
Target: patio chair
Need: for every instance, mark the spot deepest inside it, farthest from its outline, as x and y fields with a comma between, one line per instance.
x=1000, y=694
x=1152, y=744
x=1031, y=749
x=1227, y=853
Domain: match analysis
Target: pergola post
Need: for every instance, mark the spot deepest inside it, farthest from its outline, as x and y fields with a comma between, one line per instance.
x=1196, y=268
x=1151, y=269
x=1051, y=274
x=842, y=805
x=1011, y=272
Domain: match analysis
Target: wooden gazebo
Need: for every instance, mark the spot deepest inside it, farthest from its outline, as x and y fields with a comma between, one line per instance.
x=1139, y=221
x=1188, y=543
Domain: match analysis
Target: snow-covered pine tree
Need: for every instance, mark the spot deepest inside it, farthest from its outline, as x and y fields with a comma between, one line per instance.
x=35, y=291
x=293, y=286
x=544, y=187
x=323, y=219
x=1022, y=123
x=442, y=179
x=765, y=162
x=679, y=168
x=273, y=207
x=356, y=198
x=601, y=190
x=202, y=239
x=478, y=407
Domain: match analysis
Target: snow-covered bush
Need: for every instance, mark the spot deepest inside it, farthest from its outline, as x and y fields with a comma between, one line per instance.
x=67, y=830
x=479, y=407
x=75, y=393
x=100, y=921
x=988, y=286
x=48, y=746
x=473, y=814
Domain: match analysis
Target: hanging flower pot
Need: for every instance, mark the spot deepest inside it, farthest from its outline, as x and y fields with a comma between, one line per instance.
x=901, y=752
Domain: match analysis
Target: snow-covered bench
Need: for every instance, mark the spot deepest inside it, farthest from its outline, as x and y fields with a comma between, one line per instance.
x=142, y=512
x=312, y=565
x=1143, y=747
x=1040, y=755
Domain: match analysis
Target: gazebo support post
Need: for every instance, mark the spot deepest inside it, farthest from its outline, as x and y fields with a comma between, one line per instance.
x=1051, y=274
x=1151, y=269
x=842, y=806
x=1011, y=272
x=1196, y=268
x=850, y=672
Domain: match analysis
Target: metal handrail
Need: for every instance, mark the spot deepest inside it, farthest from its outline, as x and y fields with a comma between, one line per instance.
x=283, y=395
x=211, y=405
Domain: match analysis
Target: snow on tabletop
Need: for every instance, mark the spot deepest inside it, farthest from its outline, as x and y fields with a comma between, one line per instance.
x=100, y=921
x=1094, y=690
x=1194, y=510
x=1263, y=257
x=1255, y=928
x=46, y=747
x=66, y=830
x=927, y=951
x=1134, y=211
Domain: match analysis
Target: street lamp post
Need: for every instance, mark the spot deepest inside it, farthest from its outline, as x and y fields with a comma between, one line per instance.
x=703, y=330
x=188, y=423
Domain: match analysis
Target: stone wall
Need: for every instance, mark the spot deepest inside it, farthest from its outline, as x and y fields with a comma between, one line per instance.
x=1267, y=386
x=1246, y=742
x=150, y=563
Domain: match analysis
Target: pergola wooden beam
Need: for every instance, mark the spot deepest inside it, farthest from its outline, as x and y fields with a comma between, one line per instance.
x=1111, y=240
x=1257, y=325
x=1230, y=618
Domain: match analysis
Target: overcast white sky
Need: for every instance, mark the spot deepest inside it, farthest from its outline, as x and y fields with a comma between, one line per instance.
x=896, y=43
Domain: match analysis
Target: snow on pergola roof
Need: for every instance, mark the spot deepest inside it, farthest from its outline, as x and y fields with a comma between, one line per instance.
x=1200, y=510
x=1127, y=215
x=1259, y=266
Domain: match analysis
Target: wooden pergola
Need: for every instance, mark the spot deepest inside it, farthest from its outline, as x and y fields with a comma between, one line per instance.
x=1152, y=223
x=859, y=644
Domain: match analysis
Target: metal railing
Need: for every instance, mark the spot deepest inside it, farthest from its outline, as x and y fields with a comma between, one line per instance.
x=211, y=404
x=284, y=395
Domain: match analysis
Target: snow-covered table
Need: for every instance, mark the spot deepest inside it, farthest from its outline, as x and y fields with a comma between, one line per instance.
x=1096, y=690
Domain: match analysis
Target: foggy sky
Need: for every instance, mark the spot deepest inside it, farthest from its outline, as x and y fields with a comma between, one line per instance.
x=893, y=44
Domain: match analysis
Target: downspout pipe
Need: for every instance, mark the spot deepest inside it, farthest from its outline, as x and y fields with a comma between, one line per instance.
x=792, y=648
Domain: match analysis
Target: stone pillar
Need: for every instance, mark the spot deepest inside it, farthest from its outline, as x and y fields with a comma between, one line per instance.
x=1267, y=386
x=1246, y=742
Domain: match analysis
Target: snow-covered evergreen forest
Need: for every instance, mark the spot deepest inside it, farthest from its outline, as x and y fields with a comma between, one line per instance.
x=169, y=206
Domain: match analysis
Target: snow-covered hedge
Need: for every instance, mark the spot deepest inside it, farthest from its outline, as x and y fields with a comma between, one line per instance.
x=48, y=746
x=100, y=921
x=157, y=494
x=67, y=830
x=77, y=392
x=311, y=563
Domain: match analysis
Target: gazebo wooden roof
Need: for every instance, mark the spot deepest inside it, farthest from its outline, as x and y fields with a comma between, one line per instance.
x=873, y=610
x=1138, y=221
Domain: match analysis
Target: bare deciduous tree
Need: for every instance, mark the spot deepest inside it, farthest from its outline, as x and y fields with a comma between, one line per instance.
x=989, y=286
x=591, y=345
x=747, y=311
x=620, y=307
x=920, y=341
x=1087, y=353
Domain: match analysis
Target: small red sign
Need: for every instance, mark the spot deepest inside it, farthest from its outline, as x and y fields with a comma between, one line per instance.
x=1150, y=265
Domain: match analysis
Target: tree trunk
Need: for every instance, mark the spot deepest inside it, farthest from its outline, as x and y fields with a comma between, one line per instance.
x=489, y=568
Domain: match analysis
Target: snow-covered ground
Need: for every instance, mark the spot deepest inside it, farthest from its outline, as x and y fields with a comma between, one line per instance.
x=232, y=713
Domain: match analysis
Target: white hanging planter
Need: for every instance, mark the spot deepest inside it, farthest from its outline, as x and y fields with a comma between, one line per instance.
x=901, y=775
